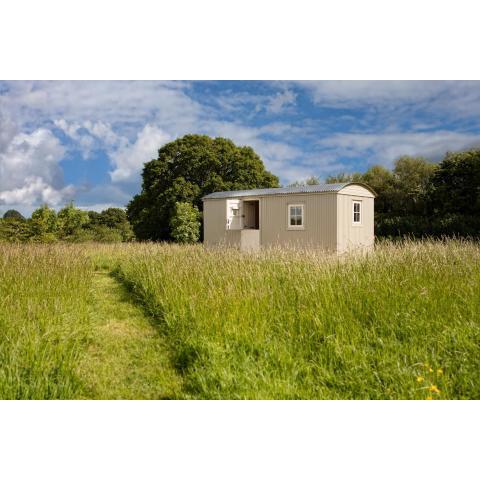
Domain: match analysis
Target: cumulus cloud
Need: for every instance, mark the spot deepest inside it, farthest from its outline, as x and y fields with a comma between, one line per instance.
x=34, y=190
x=129, y=159
x=90, y=135
x=29, y=167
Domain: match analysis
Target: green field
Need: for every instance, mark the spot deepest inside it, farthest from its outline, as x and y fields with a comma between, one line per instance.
x=167, y=321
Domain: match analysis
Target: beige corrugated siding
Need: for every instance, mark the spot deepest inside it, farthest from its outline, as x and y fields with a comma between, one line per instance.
x=214, y=221
x=320, y=210
x=357, y=190
x=328, y=220
x=351, y=236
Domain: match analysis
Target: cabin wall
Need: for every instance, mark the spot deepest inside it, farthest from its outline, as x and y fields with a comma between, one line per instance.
x=215, y=222
x=320, y=218
x=357, y=190
x=352, y=236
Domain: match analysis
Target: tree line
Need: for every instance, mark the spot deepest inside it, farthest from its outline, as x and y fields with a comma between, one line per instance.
x=69, y=224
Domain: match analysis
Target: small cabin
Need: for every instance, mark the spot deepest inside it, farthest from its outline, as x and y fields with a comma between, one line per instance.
x=336, y=217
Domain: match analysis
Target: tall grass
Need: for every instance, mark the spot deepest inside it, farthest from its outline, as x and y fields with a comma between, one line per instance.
x=44, y=320
x=403, y=322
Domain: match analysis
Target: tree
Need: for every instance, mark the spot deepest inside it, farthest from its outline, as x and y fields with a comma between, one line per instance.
x=70, y=221
x=186, y=170
x=383, y=183
x=110, y=225
x=344, y=178
x=14, y=230
x=44, y=224
x=116, y=219
x=455, y=184
x=313, y=180
x=13, y=214
x=94, y=218
x=412, y=177
x=102, y=233
x=185, y=223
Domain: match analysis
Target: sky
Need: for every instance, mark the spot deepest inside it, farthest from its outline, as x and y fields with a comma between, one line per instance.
x=87, y=141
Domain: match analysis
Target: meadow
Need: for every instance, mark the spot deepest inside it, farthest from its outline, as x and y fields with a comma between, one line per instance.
x=170, y=321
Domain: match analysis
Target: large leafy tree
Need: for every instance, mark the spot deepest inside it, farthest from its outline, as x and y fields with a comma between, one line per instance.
x=185, y=170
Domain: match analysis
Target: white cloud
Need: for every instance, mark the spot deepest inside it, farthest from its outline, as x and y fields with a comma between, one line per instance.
x=128, y=160
x=124, y=105
x=35, y=190
x=89, y=135
x=456, y=99
x=251, y=104
x=29, y=169
x=384, y=148
x=278, y=102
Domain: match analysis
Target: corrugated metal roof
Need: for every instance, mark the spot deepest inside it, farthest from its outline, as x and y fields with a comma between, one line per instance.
x=325, y=187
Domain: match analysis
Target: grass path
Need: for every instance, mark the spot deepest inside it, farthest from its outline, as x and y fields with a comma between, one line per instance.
x=127, y=358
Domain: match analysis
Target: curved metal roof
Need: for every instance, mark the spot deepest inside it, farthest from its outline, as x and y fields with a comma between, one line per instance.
x=324, y=187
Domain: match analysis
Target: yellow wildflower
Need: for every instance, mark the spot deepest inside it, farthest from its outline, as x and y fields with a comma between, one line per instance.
x=434, y=388
x=440, y=371
x=430, y=369
x=429, y=398
x=420, y=379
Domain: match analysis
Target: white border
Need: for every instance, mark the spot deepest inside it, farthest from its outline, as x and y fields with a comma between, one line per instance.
x=214, y=39
x=238, y=440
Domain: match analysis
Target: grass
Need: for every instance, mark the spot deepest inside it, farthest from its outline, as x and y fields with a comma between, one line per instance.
x=69, y=330
x=126, y=358
x=403, y=322
x=44, y=321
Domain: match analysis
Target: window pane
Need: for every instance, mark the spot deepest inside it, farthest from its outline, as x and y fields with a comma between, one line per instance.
x=295, y=215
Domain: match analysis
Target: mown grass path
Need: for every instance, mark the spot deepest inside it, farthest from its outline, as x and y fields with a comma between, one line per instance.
x=127, y=358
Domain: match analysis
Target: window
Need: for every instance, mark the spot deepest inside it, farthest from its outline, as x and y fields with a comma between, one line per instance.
x=357, y=212
x=295, y=216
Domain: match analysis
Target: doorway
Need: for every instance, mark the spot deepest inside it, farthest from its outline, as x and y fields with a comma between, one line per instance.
x=251, y=214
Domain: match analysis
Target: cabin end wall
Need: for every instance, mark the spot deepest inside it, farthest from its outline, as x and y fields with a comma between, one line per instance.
x=351, y=235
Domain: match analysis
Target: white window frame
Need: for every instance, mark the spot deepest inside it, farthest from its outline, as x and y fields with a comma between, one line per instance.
x=360, y=213
x=296, y=227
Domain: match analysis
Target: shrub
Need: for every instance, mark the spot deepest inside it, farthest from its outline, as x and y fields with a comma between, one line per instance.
x=185, y=223
x=102, y=233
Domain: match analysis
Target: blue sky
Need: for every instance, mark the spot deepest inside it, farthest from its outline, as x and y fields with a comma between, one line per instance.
x=87, y=141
